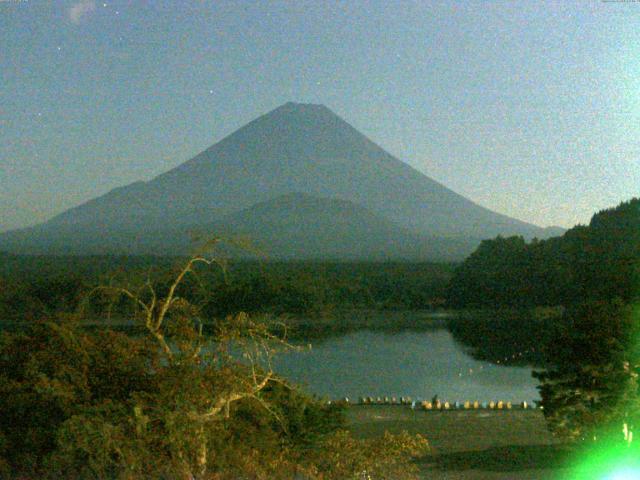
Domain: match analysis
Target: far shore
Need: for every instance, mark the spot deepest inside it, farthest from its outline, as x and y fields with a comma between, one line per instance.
x=336, y=321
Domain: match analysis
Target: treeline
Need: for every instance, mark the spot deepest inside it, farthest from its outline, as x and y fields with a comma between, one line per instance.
x=32, y=287
x=306, y=287
x=598, y=262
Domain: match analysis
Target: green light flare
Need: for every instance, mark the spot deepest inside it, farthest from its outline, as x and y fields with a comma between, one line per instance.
x=625, y=473
x=607, y=461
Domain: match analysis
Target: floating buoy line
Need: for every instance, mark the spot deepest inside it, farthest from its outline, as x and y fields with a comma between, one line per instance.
x=438, y=405
x=503, y=362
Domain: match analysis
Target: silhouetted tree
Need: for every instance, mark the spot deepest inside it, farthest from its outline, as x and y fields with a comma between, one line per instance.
x=590, y=388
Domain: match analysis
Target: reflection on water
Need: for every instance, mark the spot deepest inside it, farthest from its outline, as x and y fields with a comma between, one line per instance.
x=416, y=364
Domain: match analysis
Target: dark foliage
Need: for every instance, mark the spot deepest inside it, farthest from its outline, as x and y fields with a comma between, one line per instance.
x=599, y=262
x=36, y=287
x=590, y=388
x=66, y=393
x=52, y=372
x=169, y=402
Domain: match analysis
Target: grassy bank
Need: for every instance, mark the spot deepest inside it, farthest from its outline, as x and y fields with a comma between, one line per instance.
x=471, y=445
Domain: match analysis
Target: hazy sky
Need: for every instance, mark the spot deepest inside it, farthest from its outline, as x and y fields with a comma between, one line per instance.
x=529, y=108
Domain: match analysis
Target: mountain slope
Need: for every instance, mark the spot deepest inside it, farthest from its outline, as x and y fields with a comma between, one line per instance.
x=294, y=148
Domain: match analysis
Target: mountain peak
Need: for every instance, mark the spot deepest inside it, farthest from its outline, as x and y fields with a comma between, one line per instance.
x=298, y=147
x=302, y=109
x=302, y=106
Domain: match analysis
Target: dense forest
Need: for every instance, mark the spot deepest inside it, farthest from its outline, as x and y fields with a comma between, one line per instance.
x=600, y=261
x=589, y=385
x=34, y=286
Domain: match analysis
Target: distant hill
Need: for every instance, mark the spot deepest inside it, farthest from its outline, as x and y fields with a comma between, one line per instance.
x=295, y=148
x=300, y=226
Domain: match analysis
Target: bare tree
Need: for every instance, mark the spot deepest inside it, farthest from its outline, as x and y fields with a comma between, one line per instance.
x=233, y=364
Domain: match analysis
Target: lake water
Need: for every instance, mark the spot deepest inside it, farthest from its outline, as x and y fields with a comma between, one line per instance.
x=416, y=364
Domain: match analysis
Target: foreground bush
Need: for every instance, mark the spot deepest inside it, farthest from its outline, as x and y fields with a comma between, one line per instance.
x=171, y=403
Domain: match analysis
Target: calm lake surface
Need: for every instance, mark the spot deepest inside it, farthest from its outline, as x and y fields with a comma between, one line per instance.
x=416, y=364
